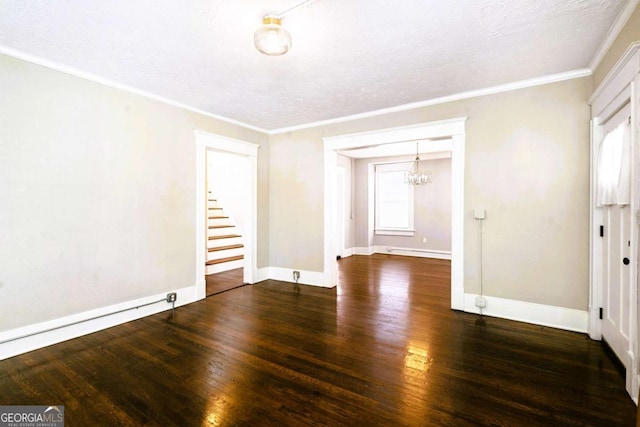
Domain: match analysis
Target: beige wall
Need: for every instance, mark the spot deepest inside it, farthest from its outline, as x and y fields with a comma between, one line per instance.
x=629, y=34
x=98, y=194
x=97, y=202
x=527, y=163
x=297, y=201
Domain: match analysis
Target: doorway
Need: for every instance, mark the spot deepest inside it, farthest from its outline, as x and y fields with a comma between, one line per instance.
x=447, y=135
x=249, y=152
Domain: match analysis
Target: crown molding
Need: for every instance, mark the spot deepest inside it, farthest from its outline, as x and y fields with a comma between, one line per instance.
x=522, y=84
x=614, y=31
x=33, y=59
x=610, y=78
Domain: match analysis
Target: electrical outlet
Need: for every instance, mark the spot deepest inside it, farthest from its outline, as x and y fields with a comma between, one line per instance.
x=172, y=297
x=296, y=275
x=424, y=240
x=481, y=302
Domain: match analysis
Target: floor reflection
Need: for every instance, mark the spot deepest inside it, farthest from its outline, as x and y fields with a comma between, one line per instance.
x=398, y=331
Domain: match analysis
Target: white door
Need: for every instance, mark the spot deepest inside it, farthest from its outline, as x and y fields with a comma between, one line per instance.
x=616, y=299
x=618, y=234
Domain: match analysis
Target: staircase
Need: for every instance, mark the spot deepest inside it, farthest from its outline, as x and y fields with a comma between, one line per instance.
x=224, y=243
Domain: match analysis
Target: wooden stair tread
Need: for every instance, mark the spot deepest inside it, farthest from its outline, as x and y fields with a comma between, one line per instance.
x=213, y=227
x=223, y=248
x=227, y=259
x=215, y=209
x=218, y=217
x=224, y=236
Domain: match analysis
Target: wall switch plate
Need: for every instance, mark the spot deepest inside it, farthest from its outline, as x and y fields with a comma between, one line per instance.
x=479, y=213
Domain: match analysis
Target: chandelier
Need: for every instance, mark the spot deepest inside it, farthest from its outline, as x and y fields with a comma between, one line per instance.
x=415, y=176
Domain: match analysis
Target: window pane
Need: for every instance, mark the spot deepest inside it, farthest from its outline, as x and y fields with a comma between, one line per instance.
x=393, y=215
x=394, y=201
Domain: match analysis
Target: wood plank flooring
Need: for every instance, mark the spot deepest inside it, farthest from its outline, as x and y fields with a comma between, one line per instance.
x=224, y=281
x=381, y=349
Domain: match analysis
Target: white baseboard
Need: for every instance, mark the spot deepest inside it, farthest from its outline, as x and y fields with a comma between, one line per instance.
x=363, y=250
x=347, y=253
x=263, y=274
x=422, y=253
x=313, y=278
x=32, y=337
x=538, y=314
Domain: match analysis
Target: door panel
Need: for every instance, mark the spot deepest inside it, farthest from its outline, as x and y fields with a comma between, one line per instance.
x=617, y=279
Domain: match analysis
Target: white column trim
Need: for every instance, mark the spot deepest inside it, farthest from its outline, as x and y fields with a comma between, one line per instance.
x=453, y=129
x=617, y=90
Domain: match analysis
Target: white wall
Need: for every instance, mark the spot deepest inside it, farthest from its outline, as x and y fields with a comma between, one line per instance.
x=228, y=180
x=349, y=201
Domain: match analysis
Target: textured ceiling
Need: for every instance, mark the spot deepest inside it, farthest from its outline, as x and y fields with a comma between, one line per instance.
x=348, y=56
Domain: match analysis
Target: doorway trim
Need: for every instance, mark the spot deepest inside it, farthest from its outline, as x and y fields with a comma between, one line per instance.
x=208, y=141
x=454, y=131
x=619, y=88
x=340, y=228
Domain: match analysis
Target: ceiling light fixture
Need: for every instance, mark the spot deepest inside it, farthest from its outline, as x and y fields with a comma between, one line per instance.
x=416, y=177
x=272, y=38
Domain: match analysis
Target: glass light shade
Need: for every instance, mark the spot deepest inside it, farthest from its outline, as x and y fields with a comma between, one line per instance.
x=271, y=38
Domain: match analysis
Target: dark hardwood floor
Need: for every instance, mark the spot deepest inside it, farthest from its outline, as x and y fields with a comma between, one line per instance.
x=225, y=281
x=381, y=349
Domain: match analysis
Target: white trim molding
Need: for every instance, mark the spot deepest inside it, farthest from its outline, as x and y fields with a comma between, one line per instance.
x=522, y=84
x=453, y=131
x=606, y=95
x=32, y=337
x=368, y=250
x=538, y=314
x=614, y=31
x=420, y=253
x=72, y=71
x=618, y=93
x=312, y=278
x=537, y=81
x=207, y=141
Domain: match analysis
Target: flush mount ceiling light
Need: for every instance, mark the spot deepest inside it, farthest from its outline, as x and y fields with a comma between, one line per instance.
x=272, y=38
x=415, y=176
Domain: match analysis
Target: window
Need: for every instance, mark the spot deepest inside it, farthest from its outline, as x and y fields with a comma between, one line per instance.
x=393, y=200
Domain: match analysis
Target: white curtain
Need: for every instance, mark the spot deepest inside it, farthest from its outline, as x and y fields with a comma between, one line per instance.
x=614, y=167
